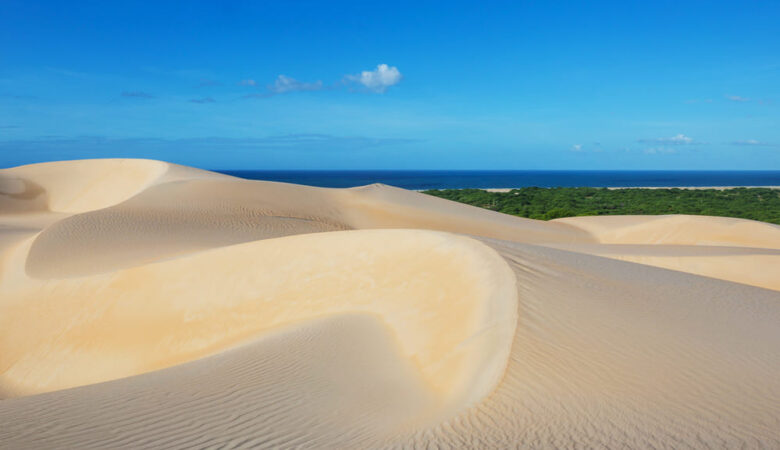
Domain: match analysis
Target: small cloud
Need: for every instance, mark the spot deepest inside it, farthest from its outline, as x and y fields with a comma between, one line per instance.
x=202, y=100
x=594, y=147
x=737, y=98
x=205, y=82
x=752, y=143
x=659, y=150
x=377, y=80
x=247, y=83
x=137, y=94
x=285, y=84
x=679, y=139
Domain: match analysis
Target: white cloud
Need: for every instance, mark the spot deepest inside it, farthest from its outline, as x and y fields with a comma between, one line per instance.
x=576, y=148
x=284, y=84
x=752, y=143
x=679, y=139
x=659, y=150
x=379, y=79
x=737, y=98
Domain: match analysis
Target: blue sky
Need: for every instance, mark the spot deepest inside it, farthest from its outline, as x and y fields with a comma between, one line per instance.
x=393, y=85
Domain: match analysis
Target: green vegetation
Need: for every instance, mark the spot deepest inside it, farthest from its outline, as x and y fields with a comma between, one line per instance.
x=551, y=203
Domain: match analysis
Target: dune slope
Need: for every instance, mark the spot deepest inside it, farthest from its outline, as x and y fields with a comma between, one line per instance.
x=144, y=304
x=739, y=250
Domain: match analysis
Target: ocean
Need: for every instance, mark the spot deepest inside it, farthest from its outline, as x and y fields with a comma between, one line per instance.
x=456, y=179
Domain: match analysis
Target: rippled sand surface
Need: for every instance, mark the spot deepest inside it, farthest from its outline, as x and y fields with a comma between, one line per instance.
x=149, y=305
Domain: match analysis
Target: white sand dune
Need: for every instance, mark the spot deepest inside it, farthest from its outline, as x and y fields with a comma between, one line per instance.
x=743, y=251
x=144, y=304
x=678, y=230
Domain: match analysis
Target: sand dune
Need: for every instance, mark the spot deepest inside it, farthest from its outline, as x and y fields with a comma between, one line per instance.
x=87, y=184
x=144, y=304
x=739, y=250
x=678, y=230
x=748, y=265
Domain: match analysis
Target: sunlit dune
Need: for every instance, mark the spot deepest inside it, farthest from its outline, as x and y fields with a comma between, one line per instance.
x=678, y=230
x=145, y=304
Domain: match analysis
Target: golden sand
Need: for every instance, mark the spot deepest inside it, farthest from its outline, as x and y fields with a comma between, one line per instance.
x=144, y=304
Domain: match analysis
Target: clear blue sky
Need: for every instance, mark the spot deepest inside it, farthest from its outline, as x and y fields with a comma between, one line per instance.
x=462, y=85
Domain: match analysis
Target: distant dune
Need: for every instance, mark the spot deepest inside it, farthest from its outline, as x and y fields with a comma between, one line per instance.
x=145, y=304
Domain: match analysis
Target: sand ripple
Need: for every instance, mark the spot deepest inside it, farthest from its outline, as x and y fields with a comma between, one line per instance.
x=148, y=305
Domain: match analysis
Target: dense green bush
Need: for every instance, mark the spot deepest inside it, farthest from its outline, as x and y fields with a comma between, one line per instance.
x=551, y=203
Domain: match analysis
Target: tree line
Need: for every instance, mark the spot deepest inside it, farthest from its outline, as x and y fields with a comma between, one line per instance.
x=551, y=203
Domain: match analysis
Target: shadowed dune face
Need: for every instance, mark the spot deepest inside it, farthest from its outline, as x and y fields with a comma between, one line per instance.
x=195, y=309
x=747, y=265
x=610, y=354
x=381, y=206
x=18, y=195
x=168, y=220
x=186, y=215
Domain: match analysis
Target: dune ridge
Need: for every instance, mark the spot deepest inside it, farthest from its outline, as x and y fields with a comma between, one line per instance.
x=229, y=294
x=144, y=304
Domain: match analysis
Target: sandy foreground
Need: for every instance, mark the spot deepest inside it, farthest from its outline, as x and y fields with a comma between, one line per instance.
x=145, y=304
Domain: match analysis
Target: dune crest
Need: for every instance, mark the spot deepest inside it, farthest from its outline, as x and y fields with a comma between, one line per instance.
x=738, y=250
x=678, y=230
x=90, y=184
x=145, y=304
x=450, y=300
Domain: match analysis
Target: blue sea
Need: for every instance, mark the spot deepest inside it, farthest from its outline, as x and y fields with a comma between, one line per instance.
x=454, y=179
